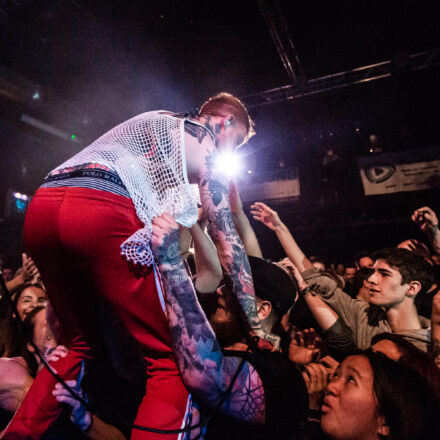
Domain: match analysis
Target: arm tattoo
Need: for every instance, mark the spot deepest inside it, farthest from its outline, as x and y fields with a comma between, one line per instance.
x=204, y=369
x=169, y=252
x=233, y=259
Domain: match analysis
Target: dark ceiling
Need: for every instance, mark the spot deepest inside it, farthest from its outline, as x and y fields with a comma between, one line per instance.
x=98, y=63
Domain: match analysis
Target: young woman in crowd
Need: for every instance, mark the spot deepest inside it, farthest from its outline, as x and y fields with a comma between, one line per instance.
x=371, y=397
x=12, y=341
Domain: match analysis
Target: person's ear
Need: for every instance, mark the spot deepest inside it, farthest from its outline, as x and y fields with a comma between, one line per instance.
x=264, y=309
x=414, y=288
x=382, y=428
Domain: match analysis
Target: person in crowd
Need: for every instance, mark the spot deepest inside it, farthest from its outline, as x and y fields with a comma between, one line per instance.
x=262, y=390
x=363, y=260
x=17, y=372
x=361, y=286
x=340, y=269
x=15, y=381
x=88, y=229
x=28, y=272
x=373, y=397
x=318, y=263
x=396, y=347
x=426, y=219
x=349, y=274
x=398, y=277
x=12, y=341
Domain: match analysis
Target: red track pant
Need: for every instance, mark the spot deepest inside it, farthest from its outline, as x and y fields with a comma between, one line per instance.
x=74, y=236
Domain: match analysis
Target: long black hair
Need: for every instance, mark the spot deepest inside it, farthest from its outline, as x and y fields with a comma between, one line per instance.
x=404, y=398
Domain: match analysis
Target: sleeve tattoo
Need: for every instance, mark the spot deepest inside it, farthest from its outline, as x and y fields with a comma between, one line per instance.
x=204, y=369
x=214, y=195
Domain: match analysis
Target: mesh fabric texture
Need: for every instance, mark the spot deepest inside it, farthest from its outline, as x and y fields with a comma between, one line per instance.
x=148, y=154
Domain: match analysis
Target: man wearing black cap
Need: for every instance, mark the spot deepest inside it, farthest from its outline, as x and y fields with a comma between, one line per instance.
x=257, y=394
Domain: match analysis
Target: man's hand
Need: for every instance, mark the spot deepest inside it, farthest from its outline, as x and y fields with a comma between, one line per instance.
x=266, y=215
x=80, y=416
x=425, y=219
x=305, y=347
x=165, y=241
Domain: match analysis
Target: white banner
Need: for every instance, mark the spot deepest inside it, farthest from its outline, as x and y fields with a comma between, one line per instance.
x=401, y=171
x=280, y=184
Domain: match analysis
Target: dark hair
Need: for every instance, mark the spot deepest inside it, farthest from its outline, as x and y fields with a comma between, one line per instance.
x=414, y=358
x=412, y=267
x=362, y=254
x=12, y=338
x=318, y=259
x=222, y=102
x=404, y=398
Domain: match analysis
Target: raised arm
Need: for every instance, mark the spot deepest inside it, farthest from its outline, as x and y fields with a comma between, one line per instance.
x=244, y=228
x=270, y=218
x=204, y=369
x=427, y=221
x=209, y=271
x=214, y=195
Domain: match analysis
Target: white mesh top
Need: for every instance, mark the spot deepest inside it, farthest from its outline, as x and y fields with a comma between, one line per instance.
x=148, y=154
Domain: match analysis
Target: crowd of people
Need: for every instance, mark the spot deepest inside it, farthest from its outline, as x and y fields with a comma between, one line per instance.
x=299, y=348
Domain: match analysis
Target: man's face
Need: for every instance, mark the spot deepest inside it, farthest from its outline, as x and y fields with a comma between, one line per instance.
x=230, y=137
x=386, y=288
x=349, y=274
x=365, y=263
x=8, y=274
x=226, y=320
x=319, y=266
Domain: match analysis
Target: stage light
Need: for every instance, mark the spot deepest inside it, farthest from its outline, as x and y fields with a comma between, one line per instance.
x=73, y=137
x=20, y=196
x=228, y=162
x=36, y=96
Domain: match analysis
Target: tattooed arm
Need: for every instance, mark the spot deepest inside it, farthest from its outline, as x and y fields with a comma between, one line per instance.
x=204, y=369
x=214, y=195
x=435, y=329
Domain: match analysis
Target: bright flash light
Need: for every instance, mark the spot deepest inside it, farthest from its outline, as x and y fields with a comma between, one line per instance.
x=228, y=163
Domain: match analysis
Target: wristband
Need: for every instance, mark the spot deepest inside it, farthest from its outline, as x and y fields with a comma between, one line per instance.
x=306, y=290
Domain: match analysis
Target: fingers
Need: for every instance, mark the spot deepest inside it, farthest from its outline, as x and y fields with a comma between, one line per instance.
x=163, y=223
x=329, y=362
x=57, y=354
x=70, y=383
x=63, y=398
x=319, y=376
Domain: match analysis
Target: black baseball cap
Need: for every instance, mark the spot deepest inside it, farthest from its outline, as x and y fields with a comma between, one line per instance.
x=273, y=284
